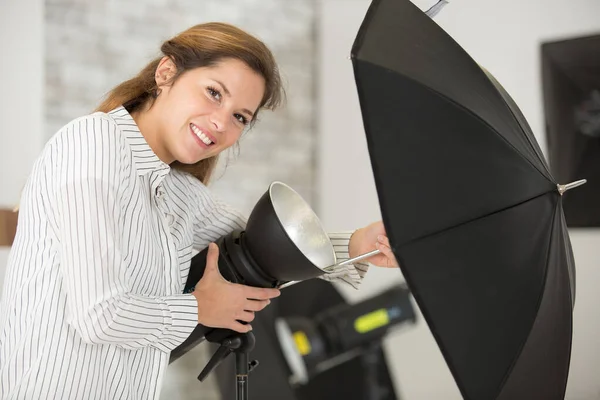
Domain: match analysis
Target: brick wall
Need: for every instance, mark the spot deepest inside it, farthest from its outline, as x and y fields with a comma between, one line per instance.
x=92, y=45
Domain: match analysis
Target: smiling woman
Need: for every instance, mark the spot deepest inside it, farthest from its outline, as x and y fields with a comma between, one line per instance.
x=111, y=214
x=209, y=107
x=215, y=73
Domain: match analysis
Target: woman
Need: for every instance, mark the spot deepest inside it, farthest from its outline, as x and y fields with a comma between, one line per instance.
x=111, y=214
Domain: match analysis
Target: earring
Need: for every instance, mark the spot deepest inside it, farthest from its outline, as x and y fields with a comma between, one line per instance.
x=156, y=92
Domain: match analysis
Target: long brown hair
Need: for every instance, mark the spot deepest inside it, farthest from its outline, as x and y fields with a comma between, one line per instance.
x=202, y=45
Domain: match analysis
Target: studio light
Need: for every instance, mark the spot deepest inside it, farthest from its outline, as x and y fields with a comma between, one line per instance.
x=313, y=345
x=283, y=243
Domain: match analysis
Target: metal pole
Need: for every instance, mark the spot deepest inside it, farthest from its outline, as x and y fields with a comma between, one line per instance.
x=241, y=375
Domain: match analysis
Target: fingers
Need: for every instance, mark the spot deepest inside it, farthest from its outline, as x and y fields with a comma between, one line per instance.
x=383, y=245
x=212, y=263
x=239, y=327
x=256, y=305
x=383, y=240
x=385, y=250
x=246, y=316
x=260, y=293
x=212, y=258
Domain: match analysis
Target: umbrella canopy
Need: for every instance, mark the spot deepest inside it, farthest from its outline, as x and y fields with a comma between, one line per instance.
x=473, y=213
x=571, y=83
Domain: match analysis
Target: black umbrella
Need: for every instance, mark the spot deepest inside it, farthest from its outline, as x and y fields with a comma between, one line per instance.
x=473, y=213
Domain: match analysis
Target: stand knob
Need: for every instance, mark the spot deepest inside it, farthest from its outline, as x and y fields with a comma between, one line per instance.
x=252, y=364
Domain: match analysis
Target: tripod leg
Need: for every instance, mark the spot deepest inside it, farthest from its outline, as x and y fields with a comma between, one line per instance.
x=222, y=352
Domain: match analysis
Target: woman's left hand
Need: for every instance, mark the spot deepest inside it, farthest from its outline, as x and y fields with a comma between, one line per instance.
x=373, y=237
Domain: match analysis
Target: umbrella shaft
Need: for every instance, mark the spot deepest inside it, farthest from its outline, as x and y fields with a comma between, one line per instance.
x=332, y=268
x=353, y=260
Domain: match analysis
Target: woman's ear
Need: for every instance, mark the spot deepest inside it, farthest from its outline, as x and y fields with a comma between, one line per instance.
x=165, y=71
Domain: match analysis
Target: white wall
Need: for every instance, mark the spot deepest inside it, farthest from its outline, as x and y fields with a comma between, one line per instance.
x=21, y=100
x=22, y=78
x=503, y=36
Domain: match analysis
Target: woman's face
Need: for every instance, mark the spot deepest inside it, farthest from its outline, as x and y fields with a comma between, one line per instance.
x=205, y=110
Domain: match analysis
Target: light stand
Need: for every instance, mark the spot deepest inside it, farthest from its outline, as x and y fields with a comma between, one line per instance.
x=241, y=344
x=370, y=359
x=235, y=265
x=282, y=226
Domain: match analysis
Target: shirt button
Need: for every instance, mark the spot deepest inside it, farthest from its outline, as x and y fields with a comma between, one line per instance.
x=170, y=219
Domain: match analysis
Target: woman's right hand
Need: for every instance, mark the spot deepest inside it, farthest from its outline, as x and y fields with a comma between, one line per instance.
x=222, y=304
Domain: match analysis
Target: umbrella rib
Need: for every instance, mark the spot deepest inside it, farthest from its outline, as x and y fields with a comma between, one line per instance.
x=539, y=300
x=493, y=129
x=527, y=138
x=427, y=235
x=538, y=303
x=469, y=111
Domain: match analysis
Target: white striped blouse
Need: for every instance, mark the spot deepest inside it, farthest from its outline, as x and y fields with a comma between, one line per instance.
x=92, y=301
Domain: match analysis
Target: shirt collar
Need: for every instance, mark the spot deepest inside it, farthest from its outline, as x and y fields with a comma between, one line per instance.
x=144, y=158
x=145, y=161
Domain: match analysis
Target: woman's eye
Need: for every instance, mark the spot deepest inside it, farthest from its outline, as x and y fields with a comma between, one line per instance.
x=214, y=93
x=241, y=119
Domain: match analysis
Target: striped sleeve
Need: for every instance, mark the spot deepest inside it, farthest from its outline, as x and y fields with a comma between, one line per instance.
x=90, y=168
x=352, y=274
